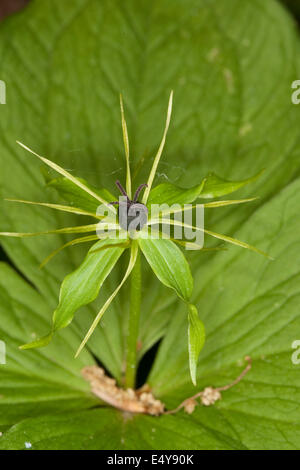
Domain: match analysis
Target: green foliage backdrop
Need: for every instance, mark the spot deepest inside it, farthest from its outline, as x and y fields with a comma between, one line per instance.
x=231, y=65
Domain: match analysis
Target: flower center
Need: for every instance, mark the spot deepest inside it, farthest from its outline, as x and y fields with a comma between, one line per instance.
x=133, y=215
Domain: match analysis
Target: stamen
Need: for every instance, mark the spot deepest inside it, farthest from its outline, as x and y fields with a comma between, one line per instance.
x=139, y=189
x=122, y=190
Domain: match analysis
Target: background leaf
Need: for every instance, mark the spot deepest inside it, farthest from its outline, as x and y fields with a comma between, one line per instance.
x=41, y=381
x=231, y=65
x=261, y=323
x=82, y=286
x=68, y=191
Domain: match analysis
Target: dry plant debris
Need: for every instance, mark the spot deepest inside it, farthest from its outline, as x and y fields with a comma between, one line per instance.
x=209, y=395
x=134, y=401
x=142, y=400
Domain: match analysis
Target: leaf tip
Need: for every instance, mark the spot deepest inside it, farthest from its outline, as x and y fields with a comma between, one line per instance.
x=23, y=146
x=39, y=343
x=170, y=104
x=23, y=347
x=194, y=379
x=266, y=255
x=78, y=352
x=121, y=105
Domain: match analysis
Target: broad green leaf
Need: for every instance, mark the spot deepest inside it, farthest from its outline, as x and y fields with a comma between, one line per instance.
x=214, y=186
x=133, y=255
x=76, y=196
x=106, y=429
x=63, y=102
x=261, y=323
x=71, y=193
x=196, y=339
x=33, y=383
x=167, y=193
x=82, y=286
x=169, y=265
x=211, y=187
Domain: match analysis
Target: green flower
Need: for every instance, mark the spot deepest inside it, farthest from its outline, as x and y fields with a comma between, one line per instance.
x=113, y=238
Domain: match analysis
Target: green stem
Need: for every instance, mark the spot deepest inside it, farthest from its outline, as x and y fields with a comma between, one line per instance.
x=133, y=324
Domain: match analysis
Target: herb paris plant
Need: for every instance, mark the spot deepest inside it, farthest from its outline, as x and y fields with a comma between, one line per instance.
x=113, y=237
